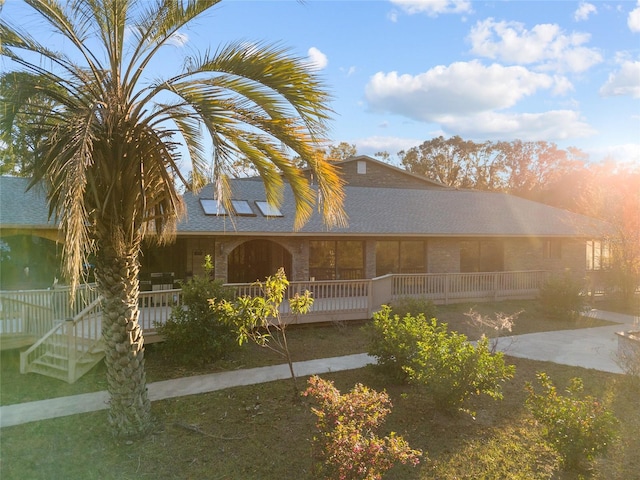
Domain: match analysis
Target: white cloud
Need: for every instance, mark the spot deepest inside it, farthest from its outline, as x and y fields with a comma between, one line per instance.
x=433, y=8
x=584, y=10
x=392, y=145
x=627, y=154
x=634, y=19
x=561, y=85
x=554, y=125
x=545, y=46
x=317, y=59
x=463, y=88
x=625, y=81
x=349, y=71
x=178, y=39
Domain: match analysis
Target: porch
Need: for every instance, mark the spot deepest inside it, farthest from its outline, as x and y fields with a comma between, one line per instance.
x=65, y=340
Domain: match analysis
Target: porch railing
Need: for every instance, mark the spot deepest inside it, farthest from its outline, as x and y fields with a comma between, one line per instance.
x=155, y=308
x=70, y=348
x=33, y=313
x=451, y=287
x=333, y=300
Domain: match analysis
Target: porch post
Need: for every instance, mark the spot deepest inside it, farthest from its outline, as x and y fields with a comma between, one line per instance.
x=220, y=261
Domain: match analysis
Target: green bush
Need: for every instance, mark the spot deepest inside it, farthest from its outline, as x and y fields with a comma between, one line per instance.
x=562, y=297
x=425, y=352
x=577, y=428
x=348, y=447
x=453, y=369
x=393, y=340
x=195, y=333
x=414, y=306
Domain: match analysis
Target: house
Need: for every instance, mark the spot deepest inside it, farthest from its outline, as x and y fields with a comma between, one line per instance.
x=399, y=222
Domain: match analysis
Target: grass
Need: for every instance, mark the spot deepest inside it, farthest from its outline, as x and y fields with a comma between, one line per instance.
x=263, y=432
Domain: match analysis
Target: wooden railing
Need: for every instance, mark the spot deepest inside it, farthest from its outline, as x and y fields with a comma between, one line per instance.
x=35, y=312
x=155, y=308
x=55, y=301
x=333, y=300
x=451, y=287
x=64, y=351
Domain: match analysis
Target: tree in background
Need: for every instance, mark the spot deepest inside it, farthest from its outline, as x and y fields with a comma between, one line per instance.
x=526, y=169
x=110, y=157
x=19, y=142
x=612, y=193
x=535, y=170
x=340, y=152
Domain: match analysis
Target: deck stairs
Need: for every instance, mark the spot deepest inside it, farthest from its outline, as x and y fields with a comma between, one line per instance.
x=70, y=349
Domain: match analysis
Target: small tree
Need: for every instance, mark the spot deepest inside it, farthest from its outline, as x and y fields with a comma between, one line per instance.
x=258, y=318
x=194, y=333
x=492, y=328
x=577, y=428
x=348, y=444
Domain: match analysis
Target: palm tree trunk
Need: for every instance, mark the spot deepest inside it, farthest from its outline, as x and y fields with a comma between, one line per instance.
x=117, y=277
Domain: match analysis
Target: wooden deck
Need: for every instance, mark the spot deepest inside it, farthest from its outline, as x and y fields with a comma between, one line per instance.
x=65, y=341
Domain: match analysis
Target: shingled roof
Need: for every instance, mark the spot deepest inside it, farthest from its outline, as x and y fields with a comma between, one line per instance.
x=20, y=208
x=379, y=211
x=372, y=211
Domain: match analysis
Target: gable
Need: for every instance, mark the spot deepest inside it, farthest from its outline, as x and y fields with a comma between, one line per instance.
x=364, y=171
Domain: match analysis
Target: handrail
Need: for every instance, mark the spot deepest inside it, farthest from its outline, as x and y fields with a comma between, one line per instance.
x=67, y=329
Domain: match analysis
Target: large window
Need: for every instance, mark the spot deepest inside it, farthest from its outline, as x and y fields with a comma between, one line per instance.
x=598, y=255
x=481, y=256
x=404, y=256
x=552, y=248
x=336, y=260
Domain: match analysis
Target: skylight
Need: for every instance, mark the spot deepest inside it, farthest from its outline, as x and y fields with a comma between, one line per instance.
x=242, y=207
x=212, y=207
x=268, y=210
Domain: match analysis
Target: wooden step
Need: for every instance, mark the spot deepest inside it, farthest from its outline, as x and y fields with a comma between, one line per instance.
x=48, y=371
x=39, y=364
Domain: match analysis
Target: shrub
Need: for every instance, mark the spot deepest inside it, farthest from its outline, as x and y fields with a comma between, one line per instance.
x=425, y=352
x=347, y=444
x=393, y=340
x=561, y=297
x=414, y=306
x=578, y=429
x=453, y=369
x=195, y=333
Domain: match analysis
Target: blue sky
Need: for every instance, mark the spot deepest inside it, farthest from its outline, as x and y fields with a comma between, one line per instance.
x=404, y=71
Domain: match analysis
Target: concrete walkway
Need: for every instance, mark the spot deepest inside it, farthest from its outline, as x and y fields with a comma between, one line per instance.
x=588, y=347
x=594, y=347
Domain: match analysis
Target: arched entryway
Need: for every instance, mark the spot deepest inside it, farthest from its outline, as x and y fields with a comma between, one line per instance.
x=256, y=260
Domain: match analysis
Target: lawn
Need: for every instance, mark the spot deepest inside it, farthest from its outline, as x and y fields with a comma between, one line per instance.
x=264, y=432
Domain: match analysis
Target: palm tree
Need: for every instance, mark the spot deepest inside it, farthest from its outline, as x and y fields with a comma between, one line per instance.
x=113, y=139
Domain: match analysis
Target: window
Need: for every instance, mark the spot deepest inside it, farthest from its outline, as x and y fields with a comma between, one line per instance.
x=212, y=207
x=242, y=208
x=598, y=254
x=552, y=248
x=406, y=256
x=268, y=210
x=481, y=256
x=336, y=260
x=362, y=167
